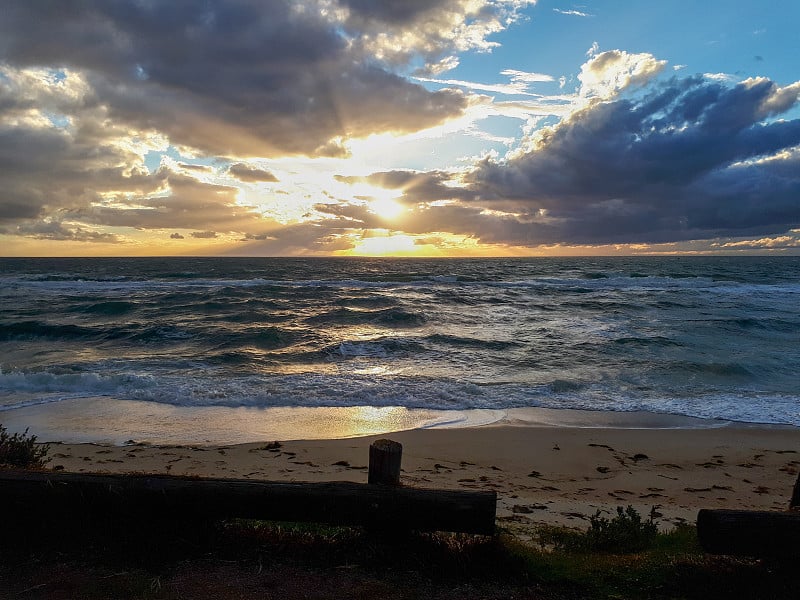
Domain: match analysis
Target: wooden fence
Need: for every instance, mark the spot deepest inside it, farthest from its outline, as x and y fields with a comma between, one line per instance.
x=752, y=532
x=134, y=499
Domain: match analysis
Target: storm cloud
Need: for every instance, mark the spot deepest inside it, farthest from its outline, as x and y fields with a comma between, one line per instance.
x=686, y=159
x=47, y=165
x=235, y=77
x=185, y=203
x=89, y=87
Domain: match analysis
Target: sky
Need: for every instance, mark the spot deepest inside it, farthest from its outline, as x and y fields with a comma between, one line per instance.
x=399, y=127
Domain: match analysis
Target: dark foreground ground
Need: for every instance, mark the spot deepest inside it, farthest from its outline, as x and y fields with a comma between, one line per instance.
x=288, y=561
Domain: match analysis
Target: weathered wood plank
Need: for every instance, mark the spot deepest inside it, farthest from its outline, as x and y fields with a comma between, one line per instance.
x=140, y=497
x=794, y=503
x=749, y=532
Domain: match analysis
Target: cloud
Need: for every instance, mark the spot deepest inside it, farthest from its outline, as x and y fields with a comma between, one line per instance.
x=55, y=230
x=176, y=236
x=197, y=168
x=691, y=159
x=572, y=13
x=514, y=88
x=519, y=86
x=251, y=79
x=185, y=203
x=68, y=168
x=417, y=187
x=436, y=30
x=661, y=162
x=319, y=237
x=244, y=172
x=59, y=150
x=204, y=235
x=608, y=73
x=89, y=89
x=773, y=243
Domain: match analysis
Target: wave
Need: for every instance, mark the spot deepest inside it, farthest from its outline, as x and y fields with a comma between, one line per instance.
x=768, y=324
x=392, y=317
x=82, y=384
x=453, y=290
x=325, y=390
x=368, y=302
x=716, y=369
x=27, y=330
x=377, y=348
x=647, y=341
x=465, y=342
x=108, y=308
x=133, y=332
x=264, y=338
x=562, y=386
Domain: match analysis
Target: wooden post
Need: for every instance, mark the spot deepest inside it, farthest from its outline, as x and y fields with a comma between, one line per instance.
x=384, y=462
x=749, y=532
x=794, y=503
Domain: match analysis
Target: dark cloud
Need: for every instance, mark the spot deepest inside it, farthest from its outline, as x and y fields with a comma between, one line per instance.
x=186, y=204
x=88, y=87
x=45, y=169
x=229, y=77
x=176, y=236
x=394, y=11
x=354, y=215
x=63, y=178
x=434, y=30
x=685, y=162
x=243, y=172
x=198, y=168
x=417, y=187
x=204, y=235
x=257, y=237
x=317, y=237
x=55, y=230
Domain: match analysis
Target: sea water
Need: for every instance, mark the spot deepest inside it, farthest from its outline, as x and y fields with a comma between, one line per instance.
x=709, y=337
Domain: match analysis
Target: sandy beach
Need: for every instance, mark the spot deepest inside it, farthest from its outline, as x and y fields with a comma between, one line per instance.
x=543, y=474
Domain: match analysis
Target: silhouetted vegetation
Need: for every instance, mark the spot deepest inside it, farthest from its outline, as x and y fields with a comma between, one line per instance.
x=624, y=534
x=243, y=559
x=19, y=450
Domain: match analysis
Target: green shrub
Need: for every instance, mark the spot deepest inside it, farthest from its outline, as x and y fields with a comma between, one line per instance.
x=20, y=450
x=625, y=533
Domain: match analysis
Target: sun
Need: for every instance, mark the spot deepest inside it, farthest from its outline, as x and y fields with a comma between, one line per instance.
x=390, y=245
x=387, y=208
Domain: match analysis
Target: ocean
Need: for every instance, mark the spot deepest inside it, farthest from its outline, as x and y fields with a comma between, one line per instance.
x=707, y=337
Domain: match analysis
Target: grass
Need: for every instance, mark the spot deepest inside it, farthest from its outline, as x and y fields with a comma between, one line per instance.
x=244, y=559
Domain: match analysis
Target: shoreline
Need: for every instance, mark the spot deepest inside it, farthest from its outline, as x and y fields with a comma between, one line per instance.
x=542, y=474
x=106, y=420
